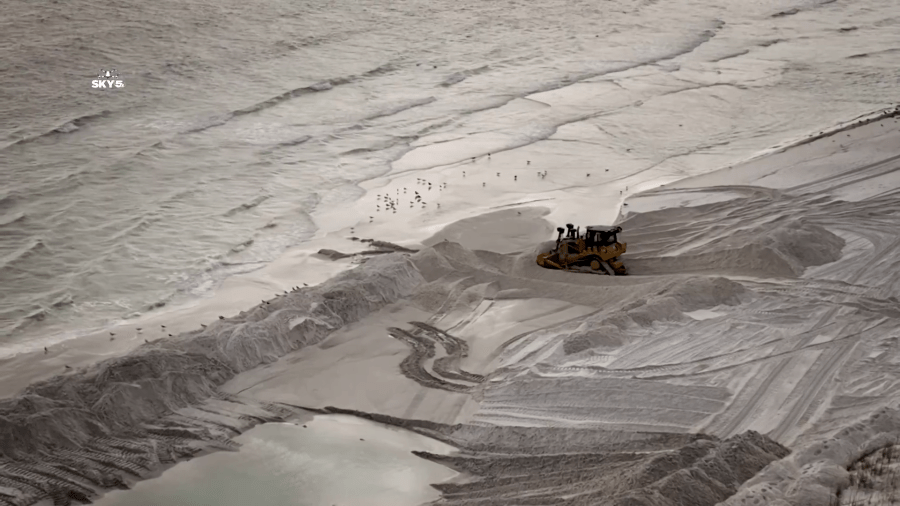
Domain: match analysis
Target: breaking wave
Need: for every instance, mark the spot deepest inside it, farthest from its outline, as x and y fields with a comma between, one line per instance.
x=62, y=129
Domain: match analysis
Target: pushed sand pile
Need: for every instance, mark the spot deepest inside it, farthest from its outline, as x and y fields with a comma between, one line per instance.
x=760, y=243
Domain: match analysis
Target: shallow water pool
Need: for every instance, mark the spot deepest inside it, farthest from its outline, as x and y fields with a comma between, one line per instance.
x=336, y=460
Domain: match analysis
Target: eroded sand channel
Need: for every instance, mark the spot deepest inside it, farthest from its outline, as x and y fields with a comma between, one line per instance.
x=335, y=459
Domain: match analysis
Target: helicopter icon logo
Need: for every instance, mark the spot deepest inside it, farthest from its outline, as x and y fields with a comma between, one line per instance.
x=107, y=79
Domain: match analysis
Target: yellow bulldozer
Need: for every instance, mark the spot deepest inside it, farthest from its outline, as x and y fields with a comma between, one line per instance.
x=597, y=251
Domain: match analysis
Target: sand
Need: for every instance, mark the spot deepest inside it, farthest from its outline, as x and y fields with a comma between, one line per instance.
x=749, y=358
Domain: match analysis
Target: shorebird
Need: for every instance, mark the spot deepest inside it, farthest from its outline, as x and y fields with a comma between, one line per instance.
x=67, y=367
x=221, y=317
x=112, y=333
x=138, y=329
x=163, y=326
x=45, y=350
x=529, y=162
x=202, y=325
x=170, y=335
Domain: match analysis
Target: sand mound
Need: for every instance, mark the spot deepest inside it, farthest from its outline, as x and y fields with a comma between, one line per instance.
x=813, y=474
x=116, y=397
x=505, y=231
x=783, y=247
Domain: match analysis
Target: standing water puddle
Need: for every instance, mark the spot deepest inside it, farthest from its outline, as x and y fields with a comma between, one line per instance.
x=337, y=460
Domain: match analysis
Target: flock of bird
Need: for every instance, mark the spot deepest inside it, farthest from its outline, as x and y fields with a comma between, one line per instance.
x=387, y=203
x=162, y=328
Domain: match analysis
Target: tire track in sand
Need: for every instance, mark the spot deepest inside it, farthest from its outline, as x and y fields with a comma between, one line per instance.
x=422, y=341
x=761, y=389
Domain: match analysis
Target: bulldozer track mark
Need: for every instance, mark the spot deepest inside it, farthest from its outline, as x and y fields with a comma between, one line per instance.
x=858, y=175
x=835, y=356
x=758, y=391
x=556, y=407
x=799, y=347
x=422, y=341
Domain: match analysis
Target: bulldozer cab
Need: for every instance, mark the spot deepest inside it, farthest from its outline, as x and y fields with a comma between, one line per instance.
x=601, y=236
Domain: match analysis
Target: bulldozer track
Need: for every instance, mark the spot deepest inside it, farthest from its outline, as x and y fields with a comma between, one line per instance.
x=833, y=359
x=422, y=342
x=861, y=174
